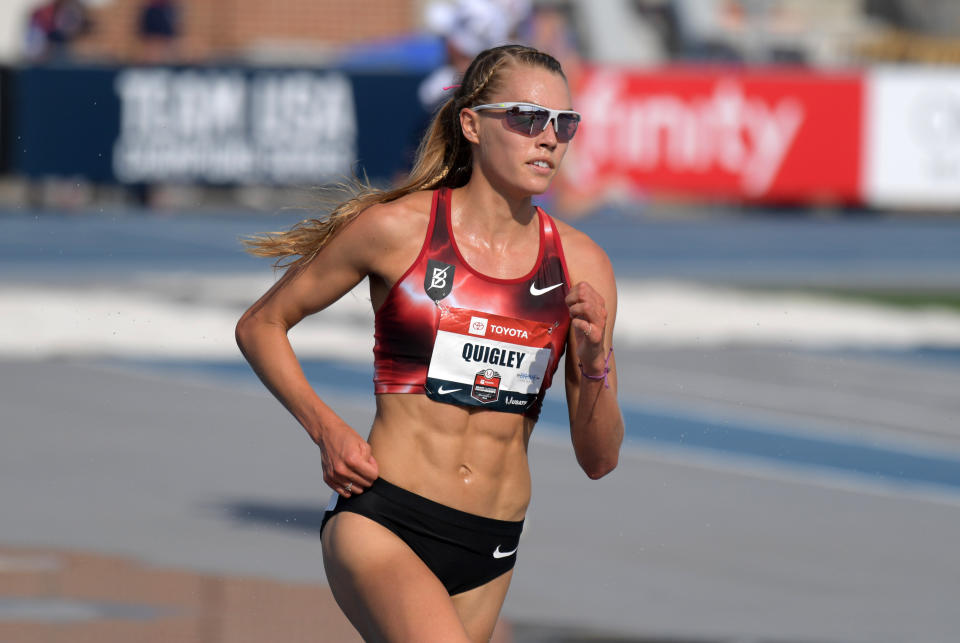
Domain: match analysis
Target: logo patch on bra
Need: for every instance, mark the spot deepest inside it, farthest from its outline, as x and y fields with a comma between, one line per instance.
x=438, y=282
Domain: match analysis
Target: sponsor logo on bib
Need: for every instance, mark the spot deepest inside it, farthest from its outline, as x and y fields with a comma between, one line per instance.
x=486, y=386
x=478, y=326
x=481, y=326
x=506, y=331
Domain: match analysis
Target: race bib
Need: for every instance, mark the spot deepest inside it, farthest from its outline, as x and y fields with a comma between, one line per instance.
x=486, y=360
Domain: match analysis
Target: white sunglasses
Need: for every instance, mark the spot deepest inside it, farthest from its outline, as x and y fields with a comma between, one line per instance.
x=530, y=119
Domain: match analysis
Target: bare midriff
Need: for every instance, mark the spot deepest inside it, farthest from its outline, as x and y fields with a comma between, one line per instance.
x=473, y=460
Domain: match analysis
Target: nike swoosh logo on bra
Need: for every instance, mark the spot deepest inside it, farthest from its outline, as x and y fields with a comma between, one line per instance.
x=503, y=554
x=443, y=391
x=536, y=292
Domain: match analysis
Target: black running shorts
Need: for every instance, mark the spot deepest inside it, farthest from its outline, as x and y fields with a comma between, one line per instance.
x=463, y=550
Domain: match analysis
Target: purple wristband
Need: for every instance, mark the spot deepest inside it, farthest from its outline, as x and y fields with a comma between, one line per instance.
x=602, y=376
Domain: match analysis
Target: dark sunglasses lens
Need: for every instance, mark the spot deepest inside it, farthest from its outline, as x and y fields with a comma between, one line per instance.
x=527, y=121
x=567, y=126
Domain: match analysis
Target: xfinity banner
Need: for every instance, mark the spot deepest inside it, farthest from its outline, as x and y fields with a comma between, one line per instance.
x=755, y=135
x=213, y=125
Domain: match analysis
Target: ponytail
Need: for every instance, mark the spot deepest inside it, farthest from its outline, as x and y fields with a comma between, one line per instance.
x=444, y=159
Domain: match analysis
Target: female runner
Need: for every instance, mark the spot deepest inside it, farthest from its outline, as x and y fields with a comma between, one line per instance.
x=477, y=294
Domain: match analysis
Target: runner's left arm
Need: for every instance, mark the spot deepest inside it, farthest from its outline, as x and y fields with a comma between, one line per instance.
x=596, y=423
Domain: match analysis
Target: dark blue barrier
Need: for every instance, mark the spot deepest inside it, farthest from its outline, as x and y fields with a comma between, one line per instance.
x=215, y=125
x=63, y=121
x=4, y=119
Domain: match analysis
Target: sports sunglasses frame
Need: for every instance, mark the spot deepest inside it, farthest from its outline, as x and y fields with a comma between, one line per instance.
x=552, y=115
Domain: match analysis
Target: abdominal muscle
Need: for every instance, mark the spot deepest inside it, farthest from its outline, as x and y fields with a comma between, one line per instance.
x=473, y=460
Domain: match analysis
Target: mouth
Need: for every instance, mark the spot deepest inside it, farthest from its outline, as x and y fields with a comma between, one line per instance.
x=541, y=164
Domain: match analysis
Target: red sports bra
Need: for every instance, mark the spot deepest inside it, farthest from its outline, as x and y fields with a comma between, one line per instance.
x=464, y=338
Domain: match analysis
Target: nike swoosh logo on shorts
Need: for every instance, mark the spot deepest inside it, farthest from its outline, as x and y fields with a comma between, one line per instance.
x=443, y=391
x=536, y=292
x=503, y=554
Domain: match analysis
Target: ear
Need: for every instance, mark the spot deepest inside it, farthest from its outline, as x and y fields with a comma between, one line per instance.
x=470, y=125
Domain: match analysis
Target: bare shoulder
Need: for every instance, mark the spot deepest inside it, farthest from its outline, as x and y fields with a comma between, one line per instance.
x=586, y=260
x=397, y=220
x=384, y=238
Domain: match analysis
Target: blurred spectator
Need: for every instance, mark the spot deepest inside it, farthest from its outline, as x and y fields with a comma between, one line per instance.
x=159, y=30
x=468, y=27
x=53, y=27
x=550, y=29
x=921, y=16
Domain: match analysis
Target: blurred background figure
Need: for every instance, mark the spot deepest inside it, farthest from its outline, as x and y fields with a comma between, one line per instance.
x=53, y=27
x=159, y=28
x=549, y=29
x=467, y=28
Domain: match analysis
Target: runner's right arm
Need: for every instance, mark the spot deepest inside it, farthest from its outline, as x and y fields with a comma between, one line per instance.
x=358, y=250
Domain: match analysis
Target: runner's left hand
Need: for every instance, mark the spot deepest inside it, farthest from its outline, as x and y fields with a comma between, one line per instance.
x=588, y=315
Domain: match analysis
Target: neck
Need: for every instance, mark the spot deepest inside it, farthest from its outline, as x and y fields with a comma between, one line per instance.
x=490, y=209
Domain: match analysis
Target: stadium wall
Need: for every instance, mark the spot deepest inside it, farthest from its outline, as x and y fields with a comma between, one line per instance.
x=883, y=137
x=234, y=29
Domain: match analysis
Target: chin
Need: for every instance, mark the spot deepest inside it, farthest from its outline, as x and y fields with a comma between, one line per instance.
x=535, y=185
x=527, y=187
x=541, y=187
x=524, y=191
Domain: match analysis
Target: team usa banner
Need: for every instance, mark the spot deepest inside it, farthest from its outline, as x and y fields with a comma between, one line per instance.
x=211, y=125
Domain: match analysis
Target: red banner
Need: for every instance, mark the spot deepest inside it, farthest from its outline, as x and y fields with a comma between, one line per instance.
x=755, y=135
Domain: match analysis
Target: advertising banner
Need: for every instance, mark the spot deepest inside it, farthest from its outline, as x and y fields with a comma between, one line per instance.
x=912, y=150
x=223, y=126
x=754, y=135
x=4, y=119
x=887, y=137
x=212, y=125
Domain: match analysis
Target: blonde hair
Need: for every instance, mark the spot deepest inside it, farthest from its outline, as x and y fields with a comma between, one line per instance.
x=444, y=159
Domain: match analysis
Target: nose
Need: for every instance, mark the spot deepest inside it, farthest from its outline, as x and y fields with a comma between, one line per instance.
x=548, y=136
